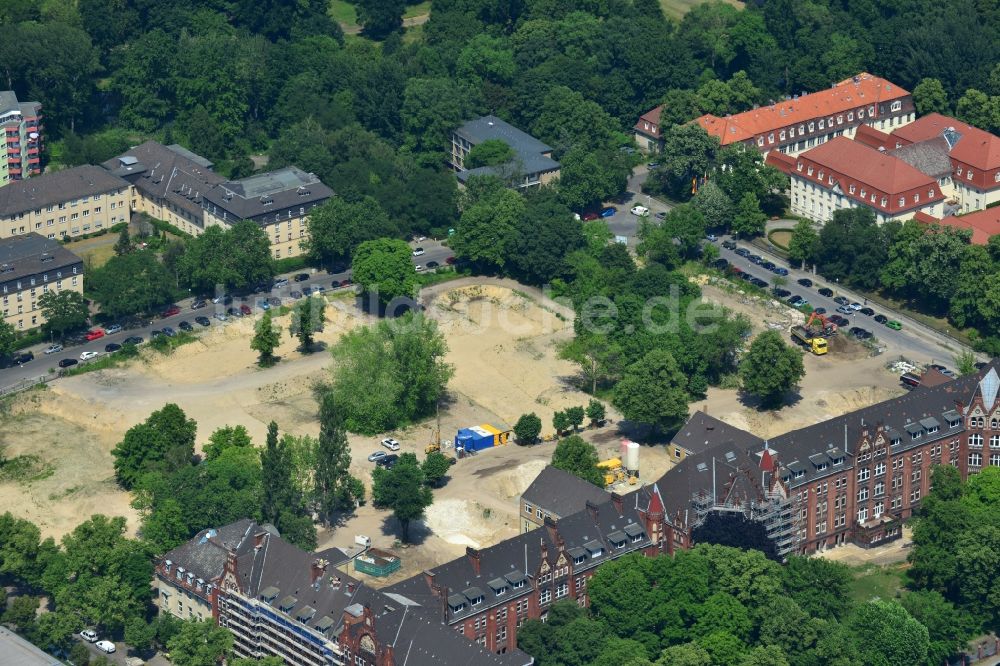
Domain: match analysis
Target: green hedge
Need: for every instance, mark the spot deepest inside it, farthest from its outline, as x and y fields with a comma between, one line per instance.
x=30, y=338
x=289, y=264
x=115, y=229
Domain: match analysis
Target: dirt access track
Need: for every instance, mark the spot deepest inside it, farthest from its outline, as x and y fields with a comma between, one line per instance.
x=503, y=341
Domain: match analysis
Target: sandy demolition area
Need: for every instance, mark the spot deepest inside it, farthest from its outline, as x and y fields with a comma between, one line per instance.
x=502, y=339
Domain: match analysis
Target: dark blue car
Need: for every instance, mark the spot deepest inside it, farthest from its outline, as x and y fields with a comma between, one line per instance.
x=608, y=211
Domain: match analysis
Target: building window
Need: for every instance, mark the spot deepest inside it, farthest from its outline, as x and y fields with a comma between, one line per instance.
x=879, y=489
x=544, y=596
x=976, y=441
x=975, y=459
x=862, y=494
x=968, y=175
x=781, y=136
x=862, y=514
x=885, y=201
x=864, y=473
x=760, y=141
x=528, y=508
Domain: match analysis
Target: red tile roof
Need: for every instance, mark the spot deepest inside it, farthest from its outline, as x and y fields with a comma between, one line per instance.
x=983, y=223
x=841, y=97
x=652, y=119
x=872, y=167
x=977, y=147
x=873, y=138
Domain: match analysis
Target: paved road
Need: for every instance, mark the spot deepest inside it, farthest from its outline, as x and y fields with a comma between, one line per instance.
x=915, y=341
x=43, y=363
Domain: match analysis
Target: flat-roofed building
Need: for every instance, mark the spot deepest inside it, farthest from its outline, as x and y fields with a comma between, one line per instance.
x=71, y=202
x=21, y=126
x=31, y=265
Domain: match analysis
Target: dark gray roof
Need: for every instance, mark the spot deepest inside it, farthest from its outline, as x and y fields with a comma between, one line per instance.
x=8, y=101
x=162, y=172
x=268, y=193
x=561, y=493
x=929, y=157
x=21, y=196
x=703, y=432
x=530, y=151
x=32, y=254
x=205, y=554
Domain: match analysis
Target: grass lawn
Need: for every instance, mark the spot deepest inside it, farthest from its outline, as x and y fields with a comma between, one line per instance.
x=781, y=238
x=677, y=8
x=343, y=12
x=95, y=252
x=413, y=34
x=877, y=581
x=418, y=9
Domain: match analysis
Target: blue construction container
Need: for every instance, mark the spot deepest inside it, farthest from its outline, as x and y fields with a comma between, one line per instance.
x=474, y=439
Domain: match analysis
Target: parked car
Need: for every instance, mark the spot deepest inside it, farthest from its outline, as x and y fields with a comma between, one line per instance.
x=274, y=301
x=856, y=306
x=608, y=211
x=880, y=318
x=23, y=357
x=234, y=312
x=114, y=328
x=909, y=381
x=263, y=304
x=432, y=264
x=105, y=646
x=185, y=326
x=87, y=355
x=824, y=291
x=805, y=282
x=795, y=300
x=221, y=298
x=134, y=340
x=280, y=282
x=840, y=300
x=894, y=325
x=780, y=270
x=387, y=461
x=448, y=260
x=780, y=293
x=660, y=216
x=301, y=277
x=197, y=305
x=821, y=311
x=67, y=362
x=169, y=331
x=171, y=311
x=590, y=216
x=721, y=264
x=868, y=312
x=112, y=347
x=203, y=321
x=838, y=320
x=843, y=309
x=418, y=252
x=729, y=245
x=89, y=635
x=376, y=455
x=94, y=334
x=155, y=333
x=296, y=294
x=639, y=210
x=768, y=265
x=221, y=316
x=743, y=252
x=757, y=282
x=390, y=444
x=245, y=310
x=711, y=238
x=54, y=349
x=418, y=267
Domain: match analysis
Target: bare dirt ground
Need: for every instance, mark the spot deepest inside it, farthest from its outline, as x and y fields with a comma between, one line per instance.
x=891, y=553
x=503, y=341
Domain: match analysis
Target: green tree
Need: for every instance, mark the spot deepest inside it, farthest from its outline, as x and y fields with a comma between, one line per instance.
x=575, y=416
x=265, y=340
x=596, y=411
x=652, y=392
x=770, y=368
x=432, y=109
x=965, y=362
x=237, y=258
x=64, y=311
x=949, y=629
x=804, y=244
x=714, y=205
x=977, y=108
x=335, y=488
x=560, y=422
x=546, y=233
x=487, y=233
x=164, y=441
x=21, y=612
x=929, y=96
x=130, y=284
x=339, y=226
x=200, y=643
x=402, y=489
x=492, y=152
x=79, y=654
x=688, y=654
x=527, y=428
x=818, y=586
x=749, y=220
x=389, y=374
x=139, y=634
x=280, y=492
x=587, y=178
x=380, y=17
x=8, y=338
x=307, y=319
x=686, y=225
x=124, y=244
x=435, y=468
x=888, y=636
x=384, y=269
x=579, y=458
x=688, y=153
x=224, y=438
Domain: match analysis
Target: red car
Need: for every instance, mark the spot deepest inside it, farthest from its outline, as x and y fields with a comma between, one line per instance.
x=245, y=309
x=94, y=334
x=171, y=311
x=450, y=260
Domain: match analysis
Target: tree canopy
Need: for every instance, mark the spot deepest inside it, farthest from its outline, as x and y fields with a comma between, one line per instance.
x=579, y=458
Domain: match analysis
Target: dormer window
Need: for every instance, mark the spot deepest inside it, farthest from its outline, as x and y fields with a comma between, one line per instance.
x=760, y=141
x=518, y=585
x=799, y=474
x=798, y=167
x=850, y=116
x=820, y=176
x=802, y=129
x=812, y=126
x=896, y=106
x=851, y=189
x=809, y=171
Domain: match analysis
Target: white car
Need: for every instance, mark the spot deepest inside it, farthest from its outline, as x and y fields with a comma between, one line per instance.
x=640, y=210
x=376, y=455
x=419, y=251
x=54, y=349
x=390, y=444
x=86, y=356
x=855, y=306
x=89, y=635
x=105, y=646
x=114, y=328
x=419, y=267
